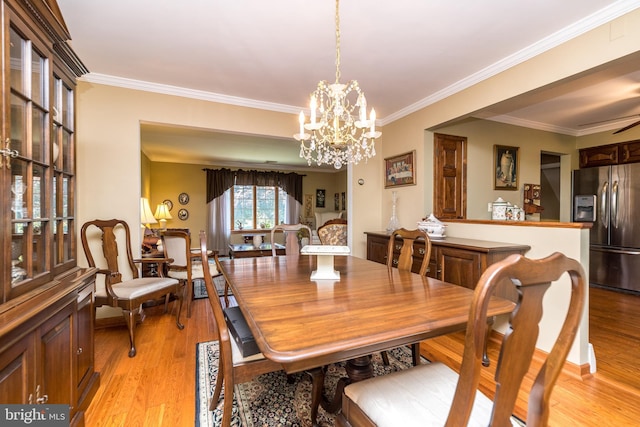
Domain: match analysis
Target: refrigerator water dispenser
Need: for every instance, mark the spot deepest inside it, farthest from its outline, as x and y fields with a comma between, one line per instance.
x=584, y=208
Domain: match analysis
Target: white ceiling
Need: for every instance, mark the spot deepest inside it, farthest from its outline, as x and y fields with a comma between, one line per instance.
x=405, y=55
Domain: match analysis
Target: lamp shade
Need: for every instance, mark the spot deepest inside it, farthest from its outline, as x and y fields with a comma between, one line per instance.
x=162, y=212
x=146, y=217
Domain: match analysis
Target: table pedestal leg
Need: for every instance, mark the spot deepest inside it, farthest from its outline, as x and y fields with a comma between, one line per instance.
x=358, y=369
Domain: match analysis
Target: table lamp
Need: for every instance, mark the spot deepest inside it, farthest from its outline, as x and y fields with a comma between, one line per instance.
x=146, y=217
x=162, y=214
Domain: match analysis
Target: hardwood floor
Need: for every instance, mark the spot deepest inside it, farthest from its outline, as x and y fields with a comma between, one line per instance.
x=157, y=387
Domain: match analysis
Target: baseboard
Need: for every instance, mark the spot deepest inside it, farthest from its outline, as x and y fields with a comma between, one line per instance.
x=448, y=351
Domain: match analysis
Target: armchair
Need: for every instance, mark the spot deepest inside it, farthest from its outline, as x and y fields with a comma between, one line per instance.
x=122, y=285
x=333, y=232
x=186, y=265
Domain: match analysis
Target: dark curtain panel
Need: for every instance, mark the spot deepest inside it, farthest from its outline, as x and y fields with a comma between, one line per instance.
x=220, y=180
x=292, y=184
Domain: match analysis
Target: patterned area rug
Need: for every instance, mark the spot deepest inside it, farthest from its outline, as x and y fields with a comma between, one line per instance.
x=199, y=290
x=269, y=400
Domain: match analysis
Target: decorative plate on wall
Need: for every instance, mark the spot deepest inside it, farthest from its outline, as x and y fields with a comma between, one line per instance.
x=183, y=198
x=183, y=214
x=169, y=203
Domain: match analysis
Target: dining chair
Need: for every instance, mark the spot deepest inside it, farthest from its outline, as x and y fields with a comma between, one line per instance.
x=406, y=260
x=439, y=394
x=333, y=232
x=186, y=266
x=122, y=285
x=233, y=368
x=290, y=232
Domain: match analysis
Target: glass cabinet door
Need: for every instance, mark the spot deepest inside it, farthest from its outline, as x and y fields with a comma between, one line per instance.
x=29, y=162
x=63, y=178
x=37, y=148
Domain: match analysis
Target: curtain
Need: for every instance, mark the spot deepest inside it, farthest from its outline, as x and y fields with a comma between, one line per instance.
x=219, y=234
x=219, y=183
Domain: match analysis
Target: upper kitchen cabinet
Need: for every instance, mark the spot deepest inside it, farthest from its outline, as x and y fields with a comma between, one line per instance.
x=37, y=162
x=601, y=155
x=612, y=154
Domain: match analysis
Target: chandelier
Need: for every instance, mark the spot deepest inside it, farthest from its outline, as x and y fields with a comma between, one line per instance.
x=336, y=136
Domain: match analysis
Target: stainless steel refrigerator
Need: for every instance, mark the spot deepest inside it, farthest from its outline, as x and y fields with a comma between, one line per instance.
x=614, y=256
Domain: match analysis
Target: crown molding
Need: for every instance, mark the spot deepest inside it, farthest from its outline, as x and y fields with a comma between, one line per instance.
x=126, y=83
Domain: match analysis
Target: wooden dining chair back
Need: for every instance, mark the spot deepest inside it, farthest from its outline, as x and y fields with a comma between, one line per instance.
x=186, y=266
x=408, y=257
x=291, y=241
x=406, y=261
x=103, y=242
x=436, y=393
x=233, y=368
x=333, y=232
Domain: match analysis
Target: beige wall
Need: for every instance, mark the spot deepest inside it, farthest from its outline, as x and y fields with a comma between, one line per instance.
x=482, y=136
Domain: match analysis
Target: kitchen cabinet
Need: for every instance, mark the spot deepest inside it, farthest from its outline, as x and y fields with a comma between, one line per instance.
x=612, y=154
x=601, y=155
x=630, y=152
x=453, y=260
x=47, y=356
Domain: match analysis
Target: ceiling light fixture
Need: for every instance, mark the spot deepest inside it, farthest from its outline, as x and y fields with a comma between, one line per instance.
x=337, y=136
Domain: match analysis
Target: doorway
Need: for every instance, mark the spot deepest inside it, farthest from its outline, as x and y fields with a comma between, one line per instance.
x=550, y=186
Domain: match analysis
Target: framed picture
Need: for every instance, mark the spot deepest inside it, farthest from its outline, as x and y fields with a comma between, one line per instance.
x=336, y=202
x=320, y=196
x=308, y=205
x=400, y=170
x=505, y=167
x=344, y=201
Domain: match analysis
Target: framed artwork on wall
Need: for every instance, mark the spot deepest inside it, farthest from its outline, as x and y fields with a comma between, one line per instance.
x=320, y=196
x=505, y=167
x=344, y=201
x=336, y=202
x=308, y=205
x=400, y=170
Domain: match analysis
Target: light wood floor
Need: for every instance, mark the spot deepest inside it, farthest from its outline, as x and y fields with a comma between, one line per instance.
x=157, y=387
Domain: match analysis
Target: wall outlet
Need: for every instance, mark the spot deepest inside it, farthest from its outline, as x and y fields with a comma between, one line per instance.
x=489, y=207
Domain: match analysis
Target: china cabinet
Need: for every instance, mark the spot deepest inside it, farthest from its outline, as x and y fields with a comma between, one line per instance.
x=46, y=301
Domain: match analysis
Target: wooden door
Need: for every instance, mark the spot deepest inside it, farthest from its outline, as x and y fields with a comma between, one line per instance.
x=450, y=176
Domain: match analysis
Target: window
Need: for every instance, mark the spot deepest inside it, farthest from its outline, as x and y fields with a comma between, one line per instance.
x=256, y=207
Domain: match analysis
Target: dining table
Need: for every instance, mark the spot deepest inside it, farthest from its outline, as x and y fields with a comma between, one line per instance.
x=305, y=324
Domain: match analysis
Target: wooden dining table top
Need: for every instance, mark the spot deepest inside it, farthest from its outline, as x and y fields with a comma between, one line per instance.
x=304, y=324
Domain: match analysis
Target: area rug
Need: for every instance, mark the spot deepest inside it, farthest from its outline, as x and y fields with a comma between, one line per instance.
x=200, y=291
x=269, y=400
